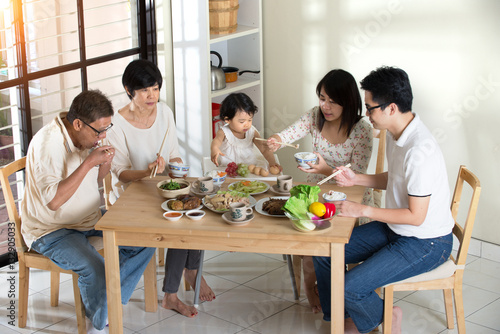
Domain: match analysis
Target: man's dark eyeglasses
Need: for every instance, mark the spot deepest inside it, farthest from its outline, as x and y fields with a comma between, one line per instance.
x=383, y=105
x=97, y=132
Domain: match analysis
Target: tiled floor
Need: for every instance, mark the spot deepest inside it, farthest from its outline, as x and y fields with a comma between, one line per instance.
x=254, y=295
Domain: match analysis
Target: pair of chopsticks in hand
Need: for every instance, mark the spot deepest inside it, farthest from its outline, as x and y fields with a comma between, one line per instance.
x=277, y=142
x=332, y=175
x=153, y=172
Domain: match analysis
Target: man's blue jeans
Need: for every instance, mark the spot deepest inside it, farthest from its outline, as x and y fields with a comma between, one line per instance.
x=69, y=249
x=386, y=258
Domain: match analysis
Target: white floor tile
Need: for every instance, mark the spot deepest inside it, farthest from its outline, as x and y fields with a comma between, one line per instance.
x=420, y=320
x=483, y=274
x=488, y=316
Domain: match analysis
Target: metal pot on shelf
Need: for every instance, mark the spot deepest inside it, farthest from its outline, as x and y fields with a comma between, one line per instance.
x=232, y=73
x=218, y=78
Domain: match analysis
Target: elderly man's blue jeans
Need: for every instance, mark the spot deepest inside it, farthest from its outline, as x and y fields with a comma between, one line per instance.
x=386, y=258
x=70, y=250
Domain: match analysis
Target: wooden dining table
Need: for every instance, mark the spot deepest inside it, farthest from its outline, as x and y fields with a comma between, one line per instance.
x=136, y=219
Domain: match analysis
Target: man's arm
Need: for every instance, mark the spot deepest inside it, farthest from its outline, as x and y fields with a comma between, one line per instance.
x=413, y=215
x=67, y=187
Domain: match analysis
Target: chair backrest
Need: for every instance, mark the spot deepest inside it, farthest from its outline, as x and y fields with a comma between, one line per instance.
x=107, y=188
x=5, y=172
x=379, y=167
x=464, y=233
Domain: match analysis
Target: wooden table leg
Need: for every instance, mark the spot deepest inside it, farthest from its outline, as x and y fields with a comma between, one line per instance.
x=113, y=287
x=150, y=293
x=337, y=288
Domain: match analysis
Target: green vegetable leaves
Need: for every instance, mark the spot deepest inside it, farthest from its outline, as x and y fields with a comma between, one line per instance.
x=301, y=196
x=171, y=185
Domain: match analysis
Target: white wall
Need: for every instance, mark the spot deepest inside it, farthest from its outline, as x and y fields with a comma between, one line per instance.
x=450, y=49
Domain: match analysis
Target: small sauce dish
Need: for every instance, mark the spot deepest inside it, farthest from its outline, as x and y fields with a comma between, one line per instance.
x=195, y=214
x=172, y=215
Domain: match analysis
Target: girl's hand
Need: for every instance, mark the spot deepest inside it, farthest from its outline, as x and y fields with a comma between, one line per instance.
x=215, y=156
x=276, y=165
x=320, y=168
x=346, y=178
x=271, y=143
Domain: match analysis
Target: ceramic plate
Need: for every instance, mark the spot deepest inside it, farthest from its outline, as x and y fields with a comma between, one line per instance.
x=275, y=190
x=165, y=207
x=250, y=198
x=234, y=184
x=260, y=203
x=227, y=218
x=196, y=191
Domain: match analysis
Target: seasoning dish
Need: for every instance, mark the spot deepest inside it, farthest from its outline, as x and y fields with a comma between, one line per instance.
x=195, y=214
x=172, y=215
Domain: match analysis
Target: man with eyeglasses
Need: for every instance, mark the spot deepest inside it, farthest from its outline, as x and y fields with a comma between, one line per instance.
x=412, y=235
x=64, y=163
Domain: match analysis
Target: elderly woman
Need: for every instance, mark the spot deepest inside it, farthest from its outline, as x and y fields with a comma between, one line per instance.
x=139, y=128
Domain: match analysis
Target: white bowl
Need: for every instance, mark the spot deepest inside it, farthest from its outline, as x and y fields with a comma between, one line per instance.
x=333, y=196
x=303, y=158
x=195, y=214
x=172, y=215
x=174, y=193
x=178, y=170
x=218, y=180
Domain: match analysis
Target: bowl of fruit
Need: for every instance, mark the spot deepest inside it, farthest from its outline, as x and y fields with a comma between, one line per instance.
x=304, y=210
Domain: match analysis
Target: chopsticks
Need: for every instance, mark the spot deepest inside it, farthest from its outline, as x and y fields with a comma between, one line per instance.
x=277, y=142
x=153, y=172
x=332, y=175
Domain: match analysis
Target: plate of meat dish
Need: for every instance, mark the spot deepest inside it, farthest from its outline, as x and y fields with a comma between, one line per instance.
x=182, y=203
x=271, y=206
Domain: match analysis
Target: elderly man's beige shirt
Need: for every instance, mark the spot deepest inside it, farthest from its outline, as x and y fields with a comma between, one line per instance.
x=51, y=158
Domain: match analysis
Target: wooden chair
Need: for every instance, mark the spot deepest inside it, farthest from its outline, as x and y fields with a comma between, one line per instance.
x=31, y=259
x=448, y=276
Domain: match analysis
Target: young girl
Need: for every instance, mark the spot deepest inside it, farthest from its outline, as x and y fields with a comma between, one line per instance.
x=234, y=142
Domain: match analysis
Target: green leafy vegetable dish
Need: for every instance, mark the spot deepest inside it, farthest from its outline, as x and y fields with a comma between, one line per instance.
x=170, y=186
x=249, y=187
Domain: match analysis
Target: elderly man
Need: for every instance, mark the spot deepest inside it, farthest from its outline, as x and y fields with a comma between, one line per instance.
x=61, y=202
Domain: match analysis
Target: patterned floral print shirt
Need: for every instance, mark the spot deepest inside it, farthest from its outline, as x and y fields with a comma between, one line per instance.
x=357, y=149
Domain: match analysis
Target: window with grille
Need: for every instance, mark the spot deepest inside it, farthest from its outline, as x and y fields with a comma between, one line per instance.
x=51, y=50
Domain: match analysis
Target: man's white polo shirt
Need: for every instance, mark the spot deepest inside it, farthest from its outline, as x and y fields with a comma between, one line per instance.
x=416, y=167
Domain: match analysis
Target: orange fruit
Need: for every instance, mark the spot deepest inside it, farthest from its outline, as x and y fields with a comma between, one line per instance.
x=317, y=209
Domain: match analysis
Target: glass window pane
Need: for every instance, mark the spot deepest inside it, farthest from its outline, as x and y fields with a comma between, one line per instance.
x=52, y=95
x=110, y=26
x=51, y=32
x=107, y=77
x=7, y=47
x=9, y=126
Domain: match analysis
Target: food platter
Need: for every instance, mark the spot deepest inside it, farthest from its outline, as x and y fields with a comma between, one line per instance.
x=238, y=186
x=259, y=209
x=165, y=207
x=203, y=201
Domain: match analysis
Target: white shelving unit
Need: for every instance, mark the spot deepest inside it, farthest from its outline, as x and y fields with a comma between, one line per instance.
x=192, y=43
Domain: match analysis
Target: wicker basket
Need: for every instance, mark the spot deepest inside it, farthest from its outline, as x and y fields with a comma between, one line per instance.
x=223, y=16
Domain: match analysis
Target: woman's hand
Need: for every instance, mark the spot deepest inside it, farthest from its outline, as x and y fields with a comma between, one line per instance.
x=271, y=143
x=320, y=168
x=215, y=156
x=160, y=162
x=346, y=178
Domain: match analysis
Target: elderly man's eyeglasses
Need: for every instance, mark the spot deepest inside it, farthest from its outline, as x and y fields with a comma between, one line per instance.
x=97, y=132
x=382, y=106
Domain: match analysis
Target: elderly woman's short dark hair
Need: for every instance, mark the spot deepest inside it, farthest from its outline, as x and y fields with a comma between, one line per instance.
x=140, y=74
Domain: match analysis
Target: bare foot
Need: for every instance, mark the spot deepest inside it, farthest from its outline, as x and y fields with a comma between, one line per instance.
x=397, y=318
x=313, y=298
x=171, y=302
x=350, y=327
x=206, y=294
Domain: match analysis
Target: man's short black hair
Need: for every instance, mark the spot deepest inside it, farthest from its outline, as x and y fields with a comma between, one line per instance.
x=389, y=85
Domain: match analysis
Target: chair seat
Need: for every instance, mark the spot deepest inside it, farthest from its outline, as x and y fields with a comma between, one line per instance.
x=445, y=270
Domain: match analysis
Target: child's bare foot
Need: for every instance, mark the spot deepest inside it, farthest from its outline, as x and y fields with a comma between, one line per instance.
x=350, y=327
x=313, y=298
x=206, y=294
x=397, y=319
x=171, y=302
